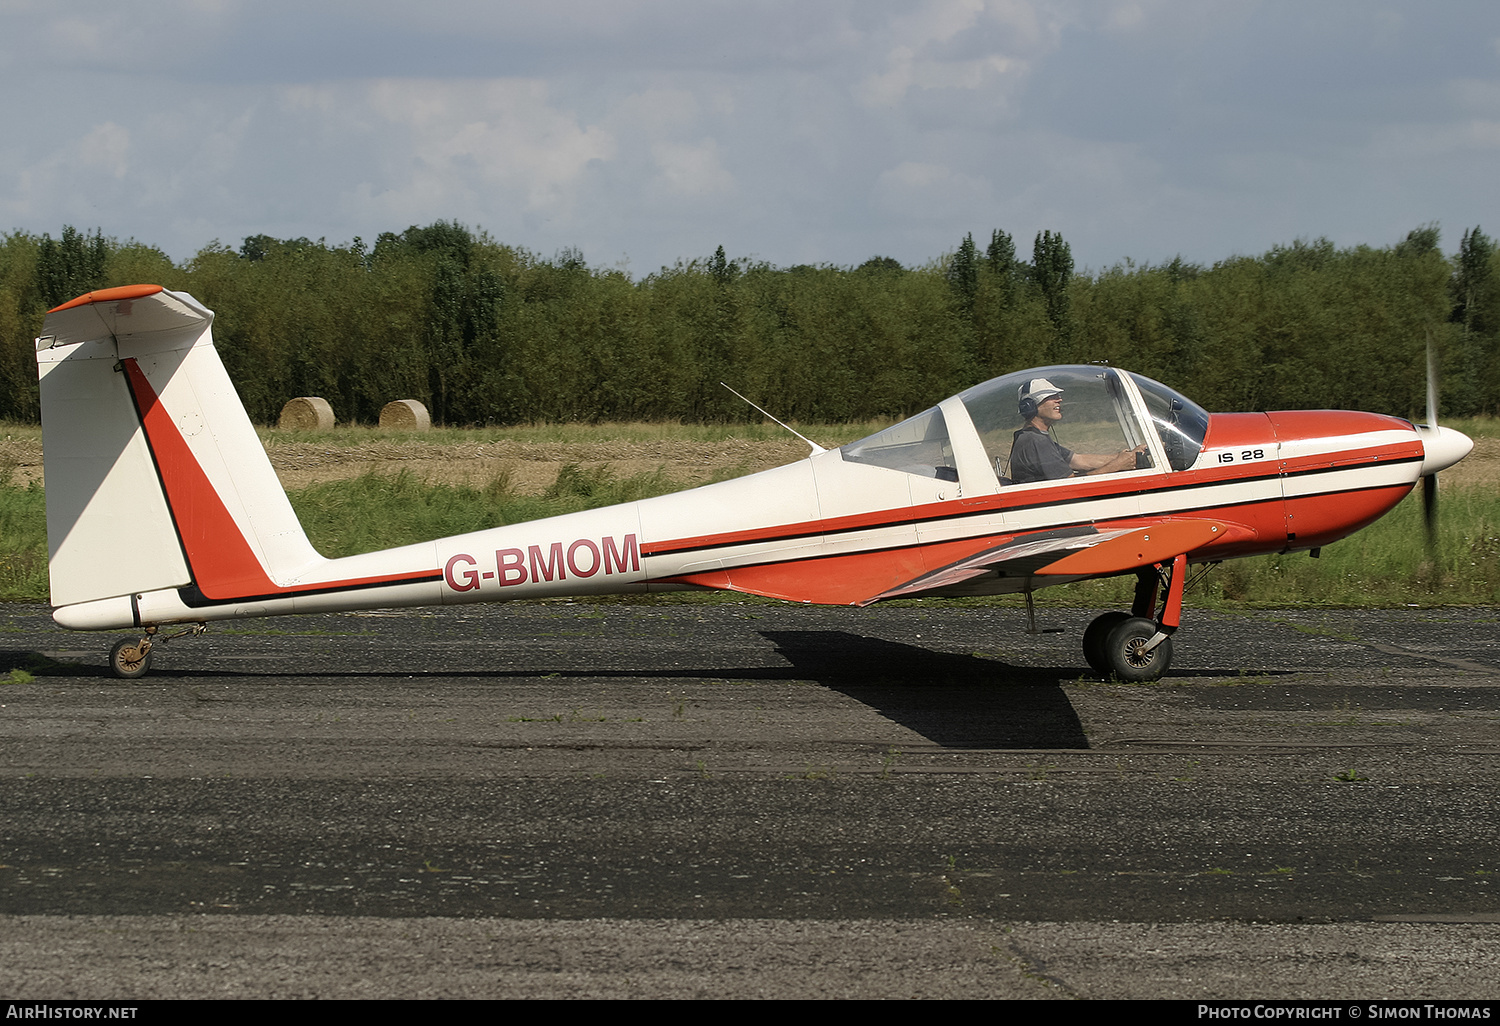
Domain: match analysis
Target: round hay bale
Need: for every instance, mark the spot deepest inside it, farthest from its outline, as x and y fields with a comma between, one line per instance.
x=307, y=413
x=405, y=415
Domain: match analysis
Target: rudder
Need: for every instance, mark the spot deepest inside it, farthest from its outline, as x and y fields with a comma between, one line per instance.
x=155, y=477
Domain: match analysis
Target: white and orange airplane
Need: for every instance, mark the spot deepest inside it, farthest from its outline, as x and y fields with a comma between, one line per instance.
x=163, y=509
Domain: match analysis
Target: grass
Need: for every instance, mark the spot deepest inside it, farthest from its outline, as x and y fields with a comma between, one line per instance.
x=572, y=433
x=23, y=543
x=1474, y=427
x=379, y=511
x=827, y=435
x=1385, y=564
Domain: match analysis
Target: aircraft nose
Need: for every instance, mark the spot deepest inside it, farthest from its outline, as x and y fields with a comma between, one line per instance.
x=1442, y=447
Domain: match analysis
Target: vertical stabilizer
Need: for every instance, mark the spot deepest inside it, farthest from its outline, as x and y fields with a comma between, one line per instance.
x=155, y=477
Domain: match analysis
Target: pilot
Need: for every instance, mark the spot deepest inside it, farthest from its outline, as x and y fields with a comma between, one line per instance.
x=1036, y=456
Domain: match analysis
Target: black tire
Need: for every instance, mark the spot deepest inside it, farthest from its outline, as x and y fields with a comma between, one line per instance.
x=132, y=666
x=1095, y=637
x=1124, y=647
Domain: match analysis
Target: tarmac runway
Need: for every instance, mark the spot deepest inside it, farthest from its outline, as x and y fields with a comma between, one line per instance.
x=746, y=800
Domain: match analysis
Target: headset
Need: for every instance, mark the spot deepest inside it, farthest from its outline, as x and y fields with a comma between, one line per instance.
x=1027, y=404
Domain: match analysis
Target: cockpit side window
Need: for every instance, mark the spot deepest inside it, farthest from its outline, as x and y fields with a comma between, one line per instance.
x=918, y=445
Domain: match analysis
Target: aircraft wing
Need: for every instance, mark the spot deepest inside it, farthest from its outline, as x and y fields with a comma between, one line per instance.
x=1074, y=552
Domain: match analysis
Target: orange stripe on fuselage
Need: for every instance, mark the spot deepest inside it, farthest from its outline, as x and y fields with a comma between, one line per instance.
x=1078, y=489
x=854, y=577
x=1232, y=431
x=1081, y=489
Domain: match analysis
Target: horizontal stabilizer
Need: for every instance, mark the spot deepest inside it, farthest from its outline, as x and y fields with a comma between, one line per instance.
x=129, y=313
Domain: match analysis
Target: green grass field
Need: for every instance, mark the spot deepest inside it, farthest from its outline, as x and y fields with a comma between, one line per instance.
x=827, y=435
x=1387, y=564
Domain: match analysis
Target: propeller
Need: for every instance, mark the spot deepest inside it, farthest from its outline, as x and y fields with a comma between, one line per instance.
x=1429, y=511
x=1442, y=447
x=1429, y=481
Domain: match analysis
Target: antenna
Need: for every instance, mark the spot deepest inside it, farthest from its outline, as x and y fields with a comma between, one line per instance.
x=816, y=448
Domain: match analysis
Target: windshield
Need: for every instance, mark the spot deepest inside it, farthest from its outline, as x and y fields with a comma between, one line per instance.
x=1181, y=422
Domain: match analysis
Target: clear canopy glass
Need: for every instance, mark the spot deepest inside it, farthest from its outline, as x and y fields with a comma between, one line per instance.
x=918, y=445
x=1096, y=416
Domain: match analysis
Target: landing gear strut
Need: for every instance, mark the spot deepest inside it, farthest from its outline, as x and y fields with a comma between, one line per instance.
x=130, y=658
x=1137, y=646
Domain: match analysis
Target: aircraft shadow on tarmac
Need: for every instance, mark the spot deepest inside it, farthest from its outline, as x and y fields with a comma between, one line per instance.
x=956, y=701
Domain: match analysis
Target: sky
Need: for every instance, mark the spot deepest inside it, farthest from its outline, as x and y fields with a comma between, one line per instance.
x=648, y=132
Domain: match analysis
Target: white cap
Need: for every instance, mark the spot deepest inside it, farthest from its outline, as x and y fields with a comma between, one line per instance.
x=1038, y=390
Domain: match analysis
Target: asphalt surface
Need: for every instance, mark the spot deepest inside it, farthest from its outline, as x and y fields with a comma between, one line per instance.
x=752, y=800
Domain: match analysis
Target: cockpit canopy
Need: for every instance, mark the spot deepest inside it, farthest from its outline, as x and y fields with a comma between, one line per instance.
x=1103, y=410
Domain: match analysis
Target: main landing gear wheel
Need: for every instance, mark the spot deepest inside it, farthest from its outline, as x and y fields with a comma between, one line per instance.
x=1125, y=648
x=130, y=658
x=1095, y=637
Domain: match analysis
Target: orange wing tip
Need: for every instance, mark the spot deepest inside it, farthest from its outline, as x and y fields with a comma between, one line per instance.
x=113, y=295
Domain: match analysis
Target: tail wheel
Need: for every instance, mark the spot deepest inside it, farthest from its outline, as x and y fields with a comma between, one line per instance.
x=130, y=658
x=1096, y=637
x=1126, y=651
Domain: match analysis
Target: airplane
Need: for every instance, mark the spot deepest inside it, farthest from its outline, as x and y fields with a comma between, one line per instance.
x=163, y=510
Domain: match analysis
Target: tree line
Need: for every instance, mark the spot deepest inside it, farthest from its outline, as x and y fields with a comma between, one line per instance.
x=485, y=333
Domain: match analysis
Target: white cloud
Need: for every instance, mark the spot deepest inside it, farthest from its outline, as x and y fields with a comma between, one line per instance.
x=693, y=169
x=106, y=147
x=926, y=191
x=69, y=172
x=656, y=129
x=655, y=112
x=465, y=138
x=907, y=71
x=960, y=44
x=1470, y=137
x=1478, y=95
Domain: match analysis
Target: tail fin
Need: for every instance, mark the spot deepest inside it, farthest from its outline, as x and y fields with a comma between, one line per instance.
x=155, y=476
